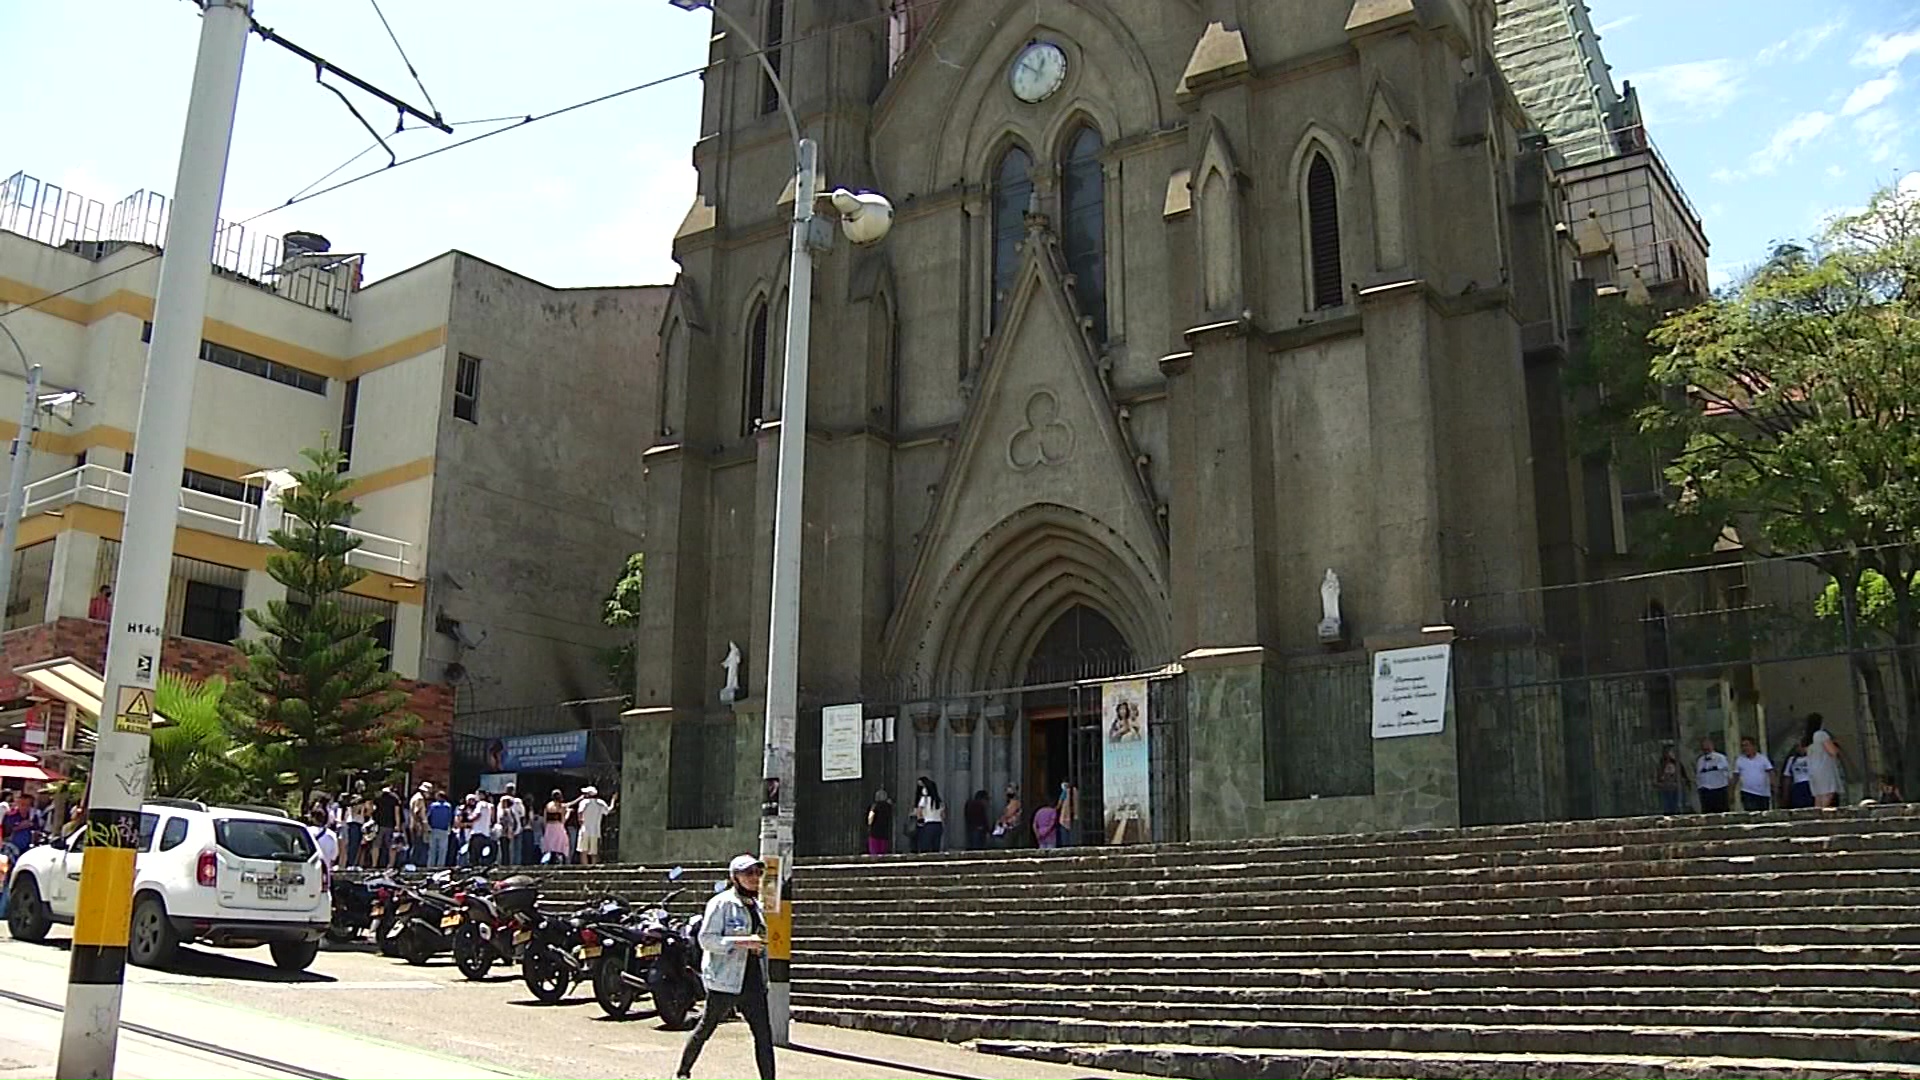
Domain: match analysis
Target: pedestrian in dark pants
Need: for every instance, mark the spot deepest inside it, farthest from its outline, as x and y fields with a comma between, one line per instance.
x=976, y=812
x=1713, y=773
x=733, y=965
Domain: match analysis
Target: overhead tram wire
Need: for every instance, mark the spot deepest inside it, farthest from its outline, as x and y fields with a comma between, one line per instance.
x=404, y=58
x=524, y=121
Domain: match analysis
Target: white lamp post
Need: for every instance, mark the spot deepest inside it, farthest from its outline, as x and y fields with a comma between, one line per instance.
x=866, y=219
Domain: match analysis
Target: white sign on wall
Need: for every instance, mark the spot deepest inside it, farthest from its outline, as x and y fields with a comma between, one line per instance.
x=840, y=740
x=1410, y=691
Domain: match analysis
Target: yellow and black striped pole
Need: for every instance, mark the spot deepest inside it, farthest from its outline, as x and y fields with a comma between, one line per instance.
x=117, y=782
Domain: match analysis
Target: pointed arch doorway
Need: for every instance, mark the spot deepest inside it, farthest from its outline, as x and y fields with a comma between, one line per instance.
x=1062, y=715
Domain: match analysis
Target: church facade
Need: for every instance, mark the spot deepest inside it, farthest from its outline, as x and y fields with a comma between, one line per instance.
x=1187, y=303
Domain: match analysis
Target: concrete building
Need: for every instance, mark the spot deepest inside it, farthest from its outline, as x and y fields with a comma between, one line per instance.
x=483, y=414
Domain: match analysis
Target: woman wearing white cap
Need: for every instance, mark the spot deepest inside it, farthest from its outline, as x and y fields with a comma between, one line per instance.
x=733, y=966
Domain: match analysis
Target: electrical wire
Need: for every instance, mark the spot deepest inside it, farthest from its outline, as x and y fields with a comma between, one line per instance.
x=404, y=58
x=532, y=118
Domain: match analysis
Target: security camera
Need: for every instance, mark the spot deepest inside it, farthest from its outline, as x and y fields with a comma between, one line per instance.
x=865, y=216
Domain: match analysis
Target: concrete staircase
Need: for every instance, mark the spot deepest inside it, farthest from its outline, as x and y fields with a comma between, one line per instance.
x=1782, y=945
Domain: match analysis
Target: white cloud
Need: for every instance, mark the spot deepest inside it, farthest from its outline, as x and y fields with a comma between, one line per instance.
x=1800, y=46
x=1695, y=90
x=1621, y=23
x=1887, y=50
x=1871, y=94
x=1724, y=175
x=1792, y=135
x=1880, y=131
x=1835, y=172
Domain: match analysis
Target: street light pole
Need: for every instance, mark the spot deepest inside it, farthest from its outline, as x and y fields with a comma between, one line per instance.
x=97, y=970
x=17, y=484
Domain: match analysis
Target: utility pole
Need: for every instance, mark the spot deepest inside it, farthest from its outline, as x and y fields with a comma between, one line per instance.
x=91, y=1027
x=17, y=487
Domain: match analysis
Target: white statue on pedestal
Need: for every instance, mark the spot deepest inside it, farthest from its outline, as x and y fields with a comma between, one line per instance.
x=730, y=693
x=1332, y=630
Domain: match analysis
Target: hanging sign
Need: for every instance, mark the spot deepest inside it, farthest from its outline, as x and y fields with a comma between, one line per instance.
x=1410, y=691
x=840, y=740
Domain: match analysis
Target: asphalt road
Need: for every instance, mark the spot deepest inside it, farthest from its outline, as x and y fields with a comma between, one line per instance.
x=490, y=1026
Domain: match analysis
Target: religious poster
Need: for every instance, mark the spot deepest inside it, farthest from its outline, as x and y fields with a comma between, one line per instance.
x=1125, y=773
x=1410, y=691
x=841, y=737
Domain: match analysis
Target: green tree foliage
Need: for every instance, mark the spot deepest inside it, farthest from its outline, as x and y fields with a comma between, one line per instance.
x=1788, y=409
x=193, y=756
x=313, y=698
x=622, y=612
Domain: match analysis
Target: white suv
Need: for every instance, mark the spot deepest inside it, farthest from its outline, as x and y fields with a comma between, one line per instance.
x=229, y=877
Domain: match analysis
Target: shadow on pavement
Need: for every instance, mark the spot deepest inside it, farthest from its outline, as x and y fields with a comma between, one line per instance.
x=216, y=965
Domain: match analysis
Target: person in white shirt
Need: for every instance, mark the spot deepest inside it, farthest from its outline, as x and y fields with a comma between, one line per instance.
x=593, y=811
x=323, y=837
x=480, y=847
x=1756, y=777
x=1823, y=762
x=1712, y=774
x=510, y=822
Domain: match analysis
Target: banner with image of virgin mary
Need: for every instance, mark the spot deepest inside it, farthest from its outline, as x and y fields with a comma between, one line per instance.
x=1125, y=767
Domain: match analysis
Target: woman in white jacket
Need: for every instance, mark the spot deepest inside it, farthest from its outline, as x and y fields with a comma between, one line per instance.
x=733, y=966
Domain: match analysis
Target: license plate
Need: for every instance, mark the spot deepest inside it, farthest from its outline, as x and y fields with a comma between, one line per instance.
x=450, y=920
x=521, y=937
x=588, y=952
x=272, y=890
x=649, y=950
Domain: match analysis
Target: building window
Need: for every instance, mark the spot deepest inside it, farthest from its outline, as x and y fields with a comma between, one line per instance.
x=1083, y=216
x=466, y=389
x=1012, y=195
x=349, y=408
x=1323, y=234
x=776, y=32
x=210, y=484
x=211, y=613
x=753, y=391
x=273, y=370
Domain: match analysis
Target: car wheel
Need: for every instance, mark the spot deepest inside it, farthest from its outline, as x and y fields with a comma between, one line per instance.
x=27, y=916
x=151, y=941
x=294, y=955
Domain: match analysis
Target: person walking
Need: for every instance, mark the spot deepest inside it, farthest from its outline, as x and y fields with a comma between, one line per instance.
x=1755, y=770
x=1712, y=774
x=1823, y=763
x=976, y=812
x=554, y=846
x=1668, y=780
x=929, y=816
x=439, y=821
x=1068, y=808
x=593, y=811
x=880, y=824
x=733, y=965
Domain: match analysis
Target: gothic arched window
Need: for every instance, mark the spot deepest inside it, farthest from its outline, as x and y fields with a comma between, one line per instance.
x=775, y=33
x=1323, y=234
x=1012, y=193
x=753, y=389
x=1083, y=225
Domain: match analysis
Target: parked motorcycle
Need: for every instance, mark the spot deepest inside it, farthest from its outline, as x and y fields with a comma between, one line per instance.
x=499, y=922
x=564, y=948
x=393, y=900
x=654, y=954
x=428, y=931
x=354, y=903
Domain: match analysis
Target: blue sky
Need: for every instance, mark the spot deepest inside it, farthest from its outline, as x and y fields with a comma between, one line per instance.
x=1774, y=113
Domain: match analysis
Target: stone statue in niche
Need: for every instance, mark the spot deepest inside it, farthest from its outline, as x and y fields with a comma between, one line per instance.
x=1333, y=629
x=730, y=693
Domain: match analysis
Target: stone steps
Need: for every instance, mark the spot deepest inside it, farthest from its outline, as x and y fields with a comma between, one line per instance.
x=1787, y=970
x=1258, y=939
x=1496, y=916
x=1250, y=1064
x=1102, y=957
x=1148, y=1005
x=1568, y=1036
x=1013, y=991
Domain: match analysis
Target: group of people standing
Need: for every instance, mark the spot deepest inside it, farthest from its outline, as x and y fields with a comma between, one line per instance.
x=1052, y=826
x=482, y=829
x=1811, y=776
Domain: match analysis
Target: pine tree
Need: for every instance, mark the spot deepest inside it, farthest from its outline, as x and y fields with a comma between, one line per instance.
x=313, y=698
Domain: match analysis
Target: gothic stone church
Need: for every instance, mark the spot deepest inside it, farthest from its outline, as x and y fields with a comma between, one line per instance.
x=1187, y=302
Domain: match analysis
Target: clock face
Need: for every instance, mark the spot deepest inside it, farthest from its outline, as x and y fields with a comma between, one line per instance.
x=1038, y=72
